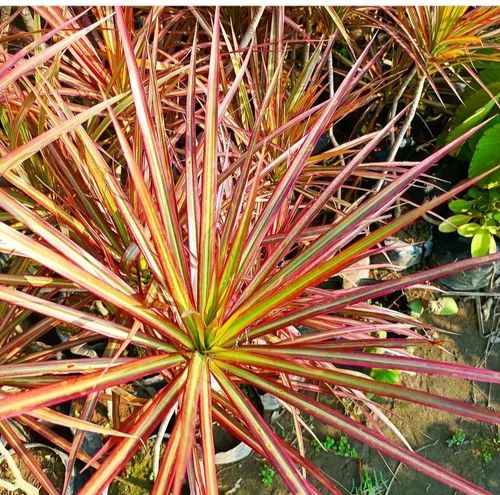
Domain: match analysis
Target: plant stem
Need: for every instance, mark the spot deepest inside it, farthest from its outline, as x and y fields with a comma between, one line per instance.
x=331, y=89
x=406, y=125
x=409, y=119
x=249, y=33
x=395, y=102
x=4, y=15
x=162, y=433
x=28, y=19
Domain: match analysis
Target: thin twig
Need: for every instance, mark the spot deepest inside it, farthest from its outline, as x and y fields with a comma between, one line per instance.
x=464, y=293
x=28, y=19
x=479, y=314
x=331, y=89
x=162, y=433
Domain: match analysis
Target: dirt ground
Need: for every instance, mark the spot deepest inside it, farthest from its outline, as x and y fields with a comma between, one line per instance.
x=424, y=428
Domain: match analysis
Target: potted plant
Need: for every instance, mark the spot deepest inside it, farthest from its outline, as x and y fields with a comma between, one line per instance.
x=148, y=183
x=475, y=221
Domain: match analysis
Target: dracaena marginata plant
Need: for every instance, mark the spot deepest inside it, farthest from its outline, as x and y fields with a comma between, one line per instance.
x=135, y=188
x=438, y=47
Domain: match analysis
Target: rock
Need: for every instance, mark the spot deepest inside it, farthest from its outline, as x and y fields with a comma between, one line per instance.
x=236, y=454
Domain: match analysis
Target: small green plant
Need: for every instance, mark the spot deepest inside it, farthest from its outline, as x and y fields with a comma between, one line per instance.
x=487, y=456
x=371, y=484
x=443, y=306
x=476, y=216
x=488, y=447
x=457, y=439
x=329, y=443
x=342, y=448
x=267, y=474
x=325, y=444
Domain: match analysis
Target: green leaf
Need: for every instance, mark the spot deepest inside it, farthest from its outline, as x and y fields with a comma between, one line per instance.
x=492, y=229
x=445, y=306
x=493, y=245
x=467, y=150
x=487, y=156
x=416, y=307
x=459, y=205
x=494, y=193
x=480, y=243
x=474, y=192
x=491, y=74
x=452, y=223
x=477, y=106
x=387, y=376
x=475, y=109
x=469, y=229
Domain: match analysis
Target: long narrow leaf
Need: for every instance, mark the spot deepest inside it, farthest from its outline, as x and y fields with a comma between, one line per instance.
x=387, y=361
x=359, y=432
x=184, y=428
x=71, y=388
x=298, y=368
x=125, y=450
x=18, y=155
x=265, y=436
